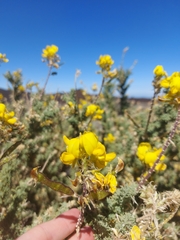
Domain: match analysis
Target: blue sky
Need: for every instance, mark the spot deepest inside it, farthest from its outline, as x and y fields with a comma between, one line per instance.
x=85, y=29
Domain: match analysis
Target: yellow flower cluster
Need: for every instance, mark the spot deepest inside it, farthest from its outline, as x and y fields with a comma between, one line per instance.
x=172, y=83
x=149, y=155
x=3, y=58
x=50, y=54
x=86, y=147
x=136, y=233
x=105, y=62
x=159, y=71
x=110, y=138
x=95, y=111
x=105, y=182
x=6, y=117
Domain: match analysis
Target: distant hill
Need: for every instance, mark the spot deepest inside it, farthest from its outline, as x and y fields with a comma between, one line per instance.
x=79, y=94
x=5, y=93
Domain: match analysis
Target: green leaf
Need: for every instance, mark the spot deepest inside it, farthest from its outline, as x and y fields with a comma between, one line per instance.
x=10, y=149
x=99, y=195
x=56, y=186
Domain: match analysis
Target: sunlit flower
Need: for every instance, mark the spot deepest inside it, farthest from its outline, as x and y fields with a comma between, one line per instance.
x=6, y=117
x=79, y=147
x=49, y=52
x=173, y=83
x=72, y=151
x=149, y=155
x=71, y=104
x=86, y=146
x=107, y=182
x=105, y=62
x=3, y=58
x=50, y=55
x=95, y=111
x=136, y=233
x=88, y=142
x=99, y=156
x=172, y=86
x=159, y=71
x=110, y=138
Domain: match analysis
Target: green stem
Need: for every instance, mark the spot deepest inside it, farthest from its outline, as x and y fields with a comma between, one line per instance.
x=100, y=90
x=150, y=113
x=48, y=76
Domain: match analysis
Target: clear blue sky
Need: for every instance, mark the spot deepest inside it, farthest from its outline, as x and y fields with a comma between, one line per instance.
x=85, y=29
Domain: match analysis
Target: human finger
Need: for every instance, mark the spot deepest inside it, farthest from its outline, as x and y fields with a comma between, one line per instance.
x=55, y=229
x=85, y=233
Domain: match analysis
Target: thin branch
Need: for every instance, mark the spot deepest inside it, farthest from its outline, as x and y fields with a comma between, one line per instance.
x=100, y=90
x=48, y=76
x=150, y=112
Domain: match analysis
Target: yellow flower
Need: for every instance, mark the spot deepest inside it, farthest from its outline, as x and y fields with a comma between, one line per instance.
x=86, y=146
x=3, y=58
x=110, y=180
x=159, y=71
x=149, y=155
x=88, y=142
x=173, y=83
x=95, y=111
x=7, y=117
x=71, y=104
x=73, y=151
x=49, y=52
x=94, y=87
x=21, y=88
x=110, y=138
x=79, y=147
x=99, y=156
x=105, y=182
x=136, y=233
x=105, y=62
x=143, y=148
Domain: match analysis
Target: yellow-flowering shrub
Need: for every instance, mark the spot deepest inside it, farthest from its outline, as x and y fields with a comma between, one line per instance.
x=119, y=161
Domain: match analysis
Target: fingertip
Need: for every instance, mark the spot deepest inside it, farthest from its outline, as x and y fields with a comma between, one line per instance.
x=73, y=212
